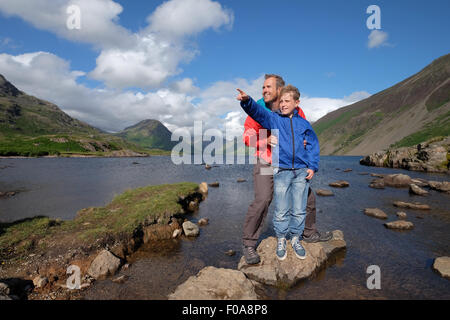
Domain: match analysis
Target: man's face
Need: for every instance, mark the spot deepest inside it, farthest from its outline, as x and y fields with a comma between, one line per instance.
x=270, y=92
x=288, y=104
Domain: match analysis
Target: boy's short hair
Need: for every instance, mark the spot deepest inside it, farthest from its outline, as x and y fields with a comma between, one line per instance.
x=291, y=89
x=279, y=80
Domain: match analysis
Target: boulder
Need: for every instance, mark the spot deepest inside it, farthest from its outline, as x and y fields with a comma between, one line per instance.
x=430, y=156
x=230, y=253
x=203, y=189
x=408, y=205
x=420, y=182
x=399, y=225
x=377, y=184
x=397, y=180
x=401, y=215
x=207, y=166
x=241, y=180
x=4, y=289
x=203, y=221
x=377, y=175
x=324, y=192
x=339, y=184
x=415, y=189
x=442, y=266
x=376, y=213
x=176, y=233
x=290, y=271
x=190, y=229
x=347, y=170
x=105, y=264
x=214, y=184
x=440, y=186
x=213, y=283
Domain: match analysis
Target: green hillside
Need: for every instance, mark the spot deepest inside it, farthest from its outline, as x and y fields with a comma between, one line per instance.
x=33, y=127
x=405, y=114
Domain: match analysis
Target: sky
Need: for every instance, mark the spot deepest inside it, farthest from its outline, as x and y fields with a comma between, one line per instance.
x=113, y=63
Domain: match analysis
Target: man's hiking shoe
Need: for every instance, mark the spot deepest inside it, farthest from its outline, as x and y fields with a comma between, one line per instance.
x=281, y=249
x=318, y=237
x=250, y=255
x=300, y=252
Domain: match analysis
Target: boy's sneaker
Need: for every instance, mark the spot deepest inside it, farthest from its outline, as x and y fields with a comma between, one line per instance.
x=281, y=249
x=250, y=255
x=300, y=252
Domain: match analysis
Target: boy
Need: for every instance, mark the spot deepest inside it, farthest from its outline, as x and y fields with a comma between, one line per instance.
x=293, y=168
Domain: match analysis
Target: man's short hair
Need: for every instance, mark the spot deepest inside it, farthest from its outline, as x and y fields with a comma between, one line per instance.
x=279, y=80
x=291, y=89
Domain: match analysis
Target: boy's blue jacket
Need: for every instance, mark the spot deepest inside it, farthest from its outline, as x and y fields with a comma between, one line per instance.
x=292, y=131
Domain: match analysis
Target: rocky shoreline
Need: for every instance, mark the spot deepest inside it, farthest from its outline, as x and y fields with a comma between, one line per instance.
x=43, y=274
x=431, y=156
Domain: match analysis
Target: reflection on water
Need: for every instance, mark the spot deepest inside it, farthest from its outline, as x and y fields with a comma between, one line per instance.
x=60, y=187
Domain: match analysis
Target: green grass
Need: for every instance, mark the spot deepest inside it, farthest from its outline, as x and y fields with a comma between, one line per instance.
x=122, y=216
x=321, y=127
x=440, y=127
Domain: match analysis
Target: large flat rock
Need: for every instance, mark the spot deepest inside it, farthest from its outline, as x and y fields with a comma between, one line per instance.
x=290, y=271
x=213, y=283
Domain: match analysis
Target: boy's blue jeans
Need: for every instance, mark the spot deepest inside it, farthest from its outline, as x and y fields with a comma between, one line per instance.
x=290, y=197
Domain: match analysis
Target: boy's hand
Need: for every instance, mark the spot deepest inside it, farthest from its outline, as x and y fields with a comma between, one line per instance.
x=310, y=174
x=272, y=141
x=242, y=96
x=304, y=144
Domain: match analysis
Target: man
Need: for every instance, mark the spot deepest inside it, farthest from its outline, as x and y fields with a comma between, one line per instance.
x=263, y=181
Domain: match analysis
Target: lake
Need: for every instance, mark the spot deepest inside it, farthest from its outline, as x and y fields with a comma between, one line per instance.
x=59, y=187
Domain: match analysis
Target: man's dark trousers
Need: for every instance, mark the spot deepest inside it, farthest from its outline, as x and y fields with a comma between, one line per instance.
x=257, y=211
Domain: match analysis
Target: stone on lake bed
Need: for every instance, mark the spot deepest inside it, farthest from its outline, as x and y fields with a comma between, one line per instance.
x=203, y=221
x=408, y=205
x=442, y=265
x=213, y=283
x=190, y=229
x=230, y=253
x=376, y=213
x=290, y=271
x=401, y=215
x=415, y=189
x=377, y=184
x=339, y=184
x=104, y=264
x=324, y=192
x=399, y=225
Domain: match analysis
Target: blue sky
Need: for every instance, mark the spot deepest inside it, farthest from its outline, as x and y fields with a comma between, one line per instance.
x=320, y=46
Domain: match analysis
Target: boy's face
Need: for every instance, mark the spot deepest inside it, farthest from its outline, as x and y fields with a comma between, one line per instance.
x=288, y=104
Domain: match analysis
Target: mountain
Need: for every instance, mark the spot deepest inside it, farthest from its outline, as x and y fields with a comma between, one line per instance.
x=405, y=114
x=150, y=134
x=32, y=127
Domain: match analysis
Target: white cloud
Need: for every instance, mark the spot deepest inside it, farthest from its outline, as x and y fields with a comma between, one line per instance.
x=315, y=108
x=146, y=59
x=177, y=18
x=98, y=19
x=377, y=38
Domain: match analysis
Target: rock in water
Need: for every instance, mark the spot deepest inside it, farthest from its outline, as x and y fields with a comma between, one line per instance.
x=190, y=229
x=216, y=284
x=377, y=184
x=440, y=186
x=376, y=213
x=324, y=192
x=203, y=189
x=214, y=184
x=203, y=221
x=339, y=184
x=397, y=180
x=414, y=189
x=104, y=264
x=399, y=225
x=415, y=205
x=442, y=265
x=290, y=271
x=401, y=215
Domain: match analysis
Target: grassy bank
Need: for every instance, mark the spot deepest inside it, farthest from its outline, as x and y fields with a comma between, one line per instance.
x=120, y=219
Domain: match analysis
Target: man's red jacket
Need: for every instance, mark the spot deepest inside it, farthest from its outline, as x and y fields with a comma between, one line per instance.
x=252, y=137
